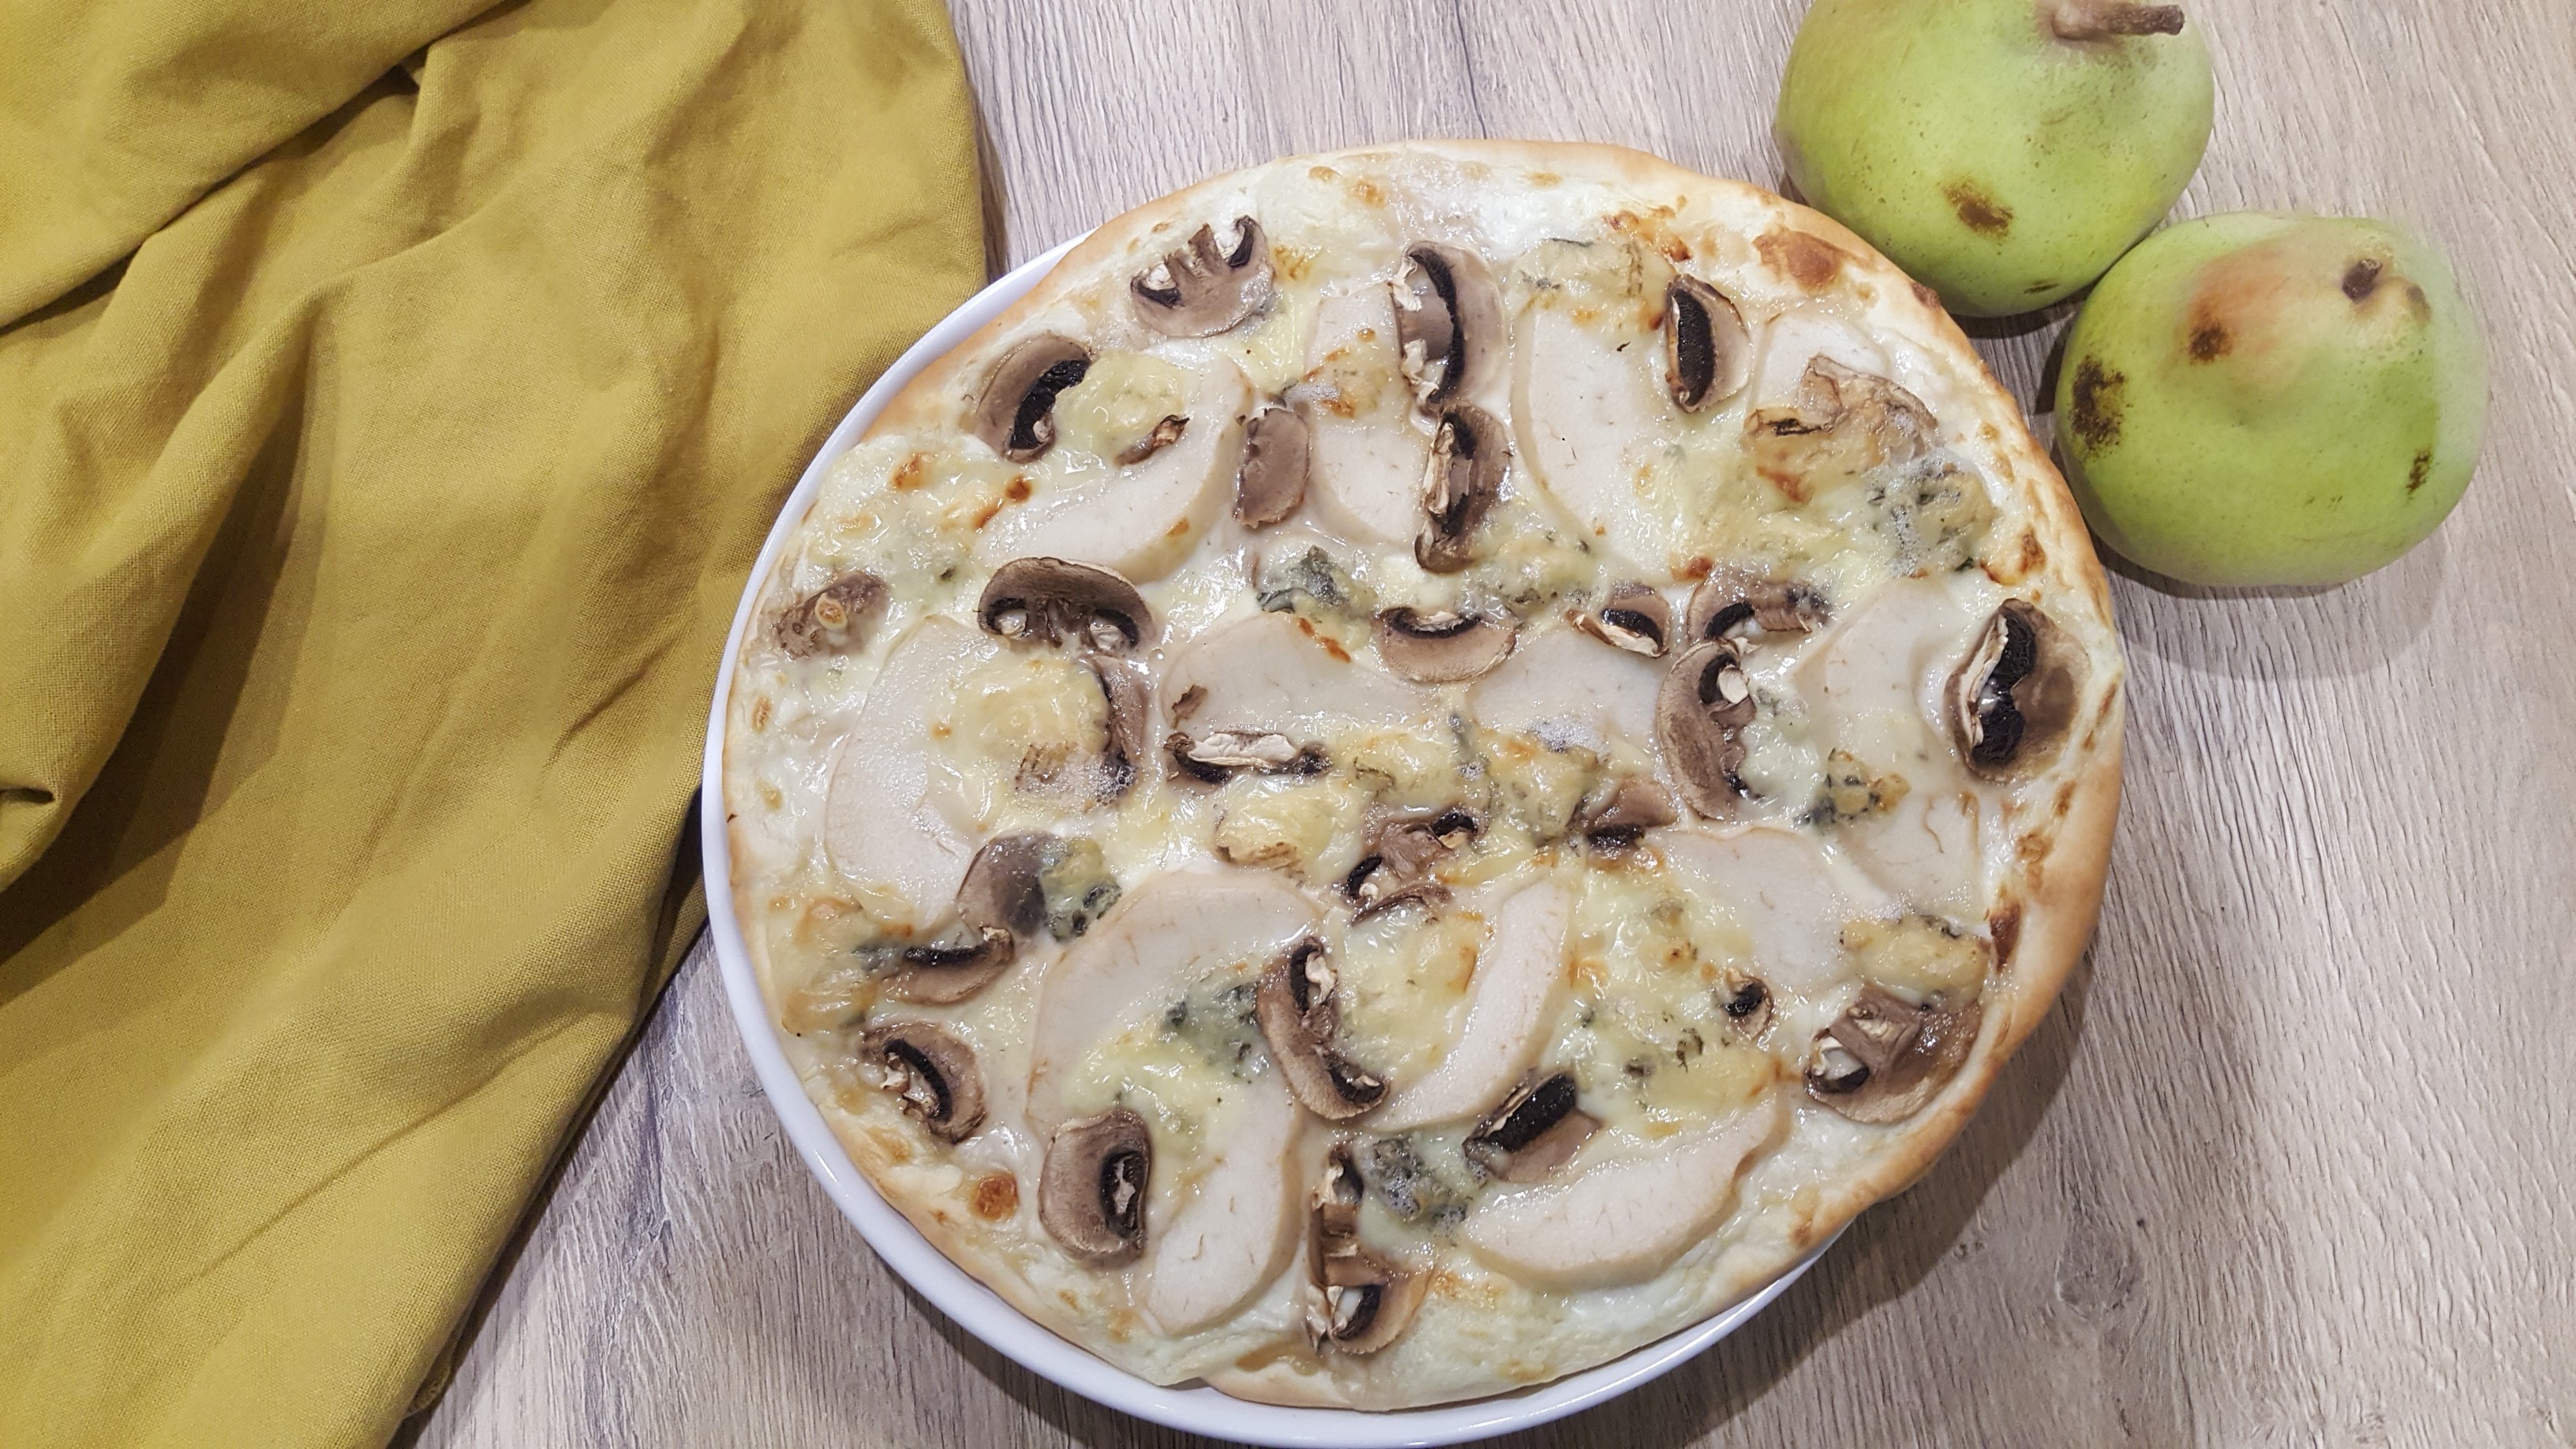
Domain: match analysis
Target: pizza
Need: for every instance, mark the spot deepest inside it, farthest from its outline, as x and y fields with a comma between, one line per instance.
x=1425, y=765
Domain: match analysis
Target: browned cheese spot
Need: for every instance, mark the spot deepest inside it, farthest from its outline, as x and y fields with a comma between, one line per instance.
x=2096, y=414
x=1978, y=212
x=997, y=1196
x=1927, y=296
x=909, y=476
x=2004, y=924
x=1809, y=261
x=1018, y=489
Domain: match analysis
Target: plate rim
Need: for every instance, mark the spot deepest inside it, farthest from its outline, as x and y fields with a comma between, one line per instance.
x=950, y=1288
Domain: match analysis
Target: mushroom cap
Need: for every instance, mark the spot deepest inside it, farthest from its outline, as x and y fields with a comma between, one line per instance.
x=1206, y=289
x=1469, y=454
x=833, y=619
x=1401, y=851
x=1034, y=884
x=1446, y=647
x=1092, y=1187
x=952, y=966
x=1294, y=1007
x=1015, y=412
x=1271, y=481
x=2012, y=701
x=1049, y=600
x=1708, y=352
x=1705, y=699
x=1885, y=1057
x=1129, y=688
x=1730, y=599
x=1449, y=323
x=1614, y=818
x=1367, y=1299
x=1634, y=617
x=1534, y=1131
x=932, y=1072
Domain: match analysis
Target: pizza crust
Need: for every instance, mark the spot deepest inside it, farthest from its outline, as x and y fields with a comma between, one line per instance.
x=2052, y=899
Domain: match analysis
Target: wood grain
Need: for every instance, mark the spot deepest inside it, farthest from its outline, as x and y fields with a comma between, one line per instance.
x=2285, y=1166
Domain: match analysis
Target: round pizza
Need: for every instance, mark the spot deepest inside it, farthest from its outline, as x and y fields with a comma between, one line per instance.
x=1425, y=765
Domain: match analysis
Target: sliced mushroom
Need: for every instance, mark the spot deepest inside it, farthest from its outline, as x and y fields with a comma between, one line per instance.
x=1449, y=322
x=1468, y=454
x=1298, y=1017
x=1050, y=600
x=1037, y=883
x=1447, y=646
x=2013, y=698
x=1015, y=414
x=833, y=619
x=1623, y=1220
x=1222, y=754
x=1708, y=353
x=1635, y=618
x=1705, y=701
x=1519, y=975
x=952, y=965
x=1129, y=690
x=1271, y=480
x=1843, y=423
x=1091, y=1187
x=1365, y=1298
x=1199, y=289
x=1746, y=1000
x=1886, y=1057
x=932, y=1072
x=1615, y=818
x=1729, y=600
x=1535, y=1131
x=1401, y=852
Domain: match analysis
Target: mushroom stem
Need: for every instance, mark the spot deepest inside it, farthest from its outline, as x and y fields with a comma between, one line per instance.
x=2088, y=20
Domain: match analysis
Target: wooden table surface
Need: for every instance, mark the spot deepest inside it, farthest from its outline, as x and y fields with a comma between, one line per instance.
x=2289, y=1163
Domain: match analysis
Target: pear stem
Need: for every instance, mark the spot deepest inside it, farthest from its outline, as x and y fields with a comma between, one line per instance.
x=2112, y=19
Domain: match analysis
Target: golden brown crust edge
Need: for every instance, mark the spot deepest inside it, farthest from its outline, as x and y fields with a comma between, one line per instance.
x=2059, y=910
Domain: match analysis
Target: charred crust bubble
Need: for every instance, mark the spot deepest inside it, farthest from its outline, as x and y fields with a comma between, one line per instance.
x=2095, y=418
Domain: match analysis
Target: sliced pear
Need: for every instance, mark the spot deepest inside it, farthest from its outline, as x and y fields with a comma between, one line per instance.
x=1171, y=931
x=1623, y=1220
x=1365, y=454
x=1875, y=688
x=1140, y=518
x=1269, y=672
x=1568, y=687
x=1236, y=1231
x=1520, y=976
x=884, y=823
x=1786, y=893
x=1798, y=337
x=1589, y=410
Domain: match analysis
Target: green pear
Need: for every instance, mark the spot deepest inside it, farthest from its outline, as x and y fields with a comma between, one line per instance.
x=2260, y=398
x=2005, y=152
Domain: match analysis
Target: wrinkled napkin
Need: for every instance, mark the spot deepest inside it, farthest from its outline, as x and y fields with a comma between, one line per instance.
x=392, y=401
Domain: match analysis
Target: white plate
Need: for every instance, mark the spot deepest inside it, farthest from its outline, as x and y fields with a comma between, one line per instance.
x=1200, y=1410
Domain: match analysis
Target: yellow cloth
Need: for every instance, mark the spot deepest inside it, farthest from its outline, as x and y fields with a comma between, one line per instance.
x=367, y=541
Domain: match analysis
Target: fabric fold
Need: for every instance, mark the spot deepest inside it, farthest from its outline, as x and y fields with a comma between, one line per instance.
x=370, y=529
